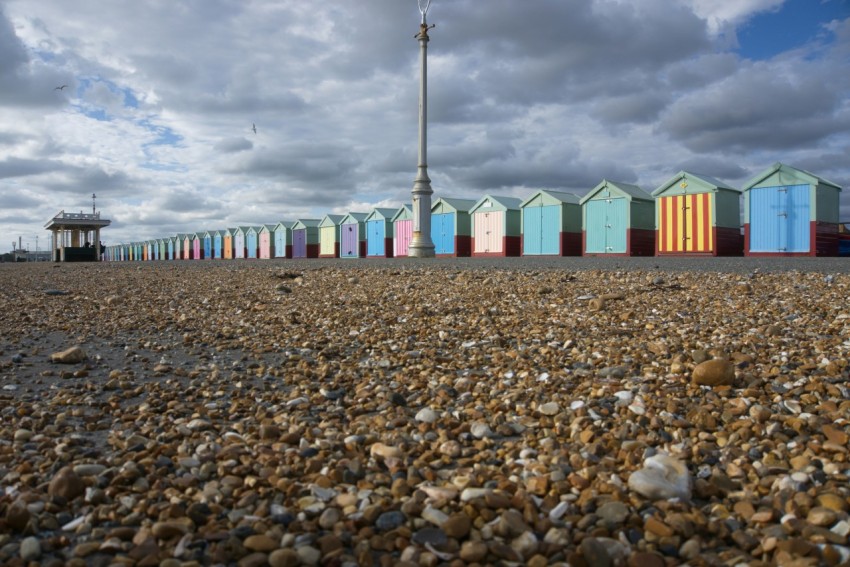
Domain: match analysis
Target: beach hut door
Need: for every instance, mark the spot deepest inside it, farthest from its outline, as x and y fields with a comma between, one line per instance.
x=779, y=219
x=442, y=233
x=349, y=240
x=489, y=232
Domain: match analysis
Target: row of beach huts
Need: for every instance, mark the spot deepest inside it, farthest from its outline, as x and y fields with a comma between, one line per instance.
x=787, y=212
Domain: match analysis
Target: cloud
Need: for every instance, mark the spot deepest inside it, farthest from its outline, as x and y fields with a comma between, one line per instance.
x=555, y=94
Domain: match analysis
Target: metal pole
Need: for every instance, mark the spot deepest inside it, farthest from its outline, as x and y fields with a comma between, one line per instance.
x=421, y=245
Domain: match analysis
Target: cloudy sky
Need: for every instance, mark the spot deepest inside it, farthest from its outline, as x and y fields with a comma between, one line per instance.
x=156, y=118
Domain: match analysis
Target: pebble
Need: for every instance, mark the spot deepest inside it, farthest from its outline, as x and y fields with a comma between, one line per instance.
x=67, y=484
x=30, y=549
x=427, y=415
x=713, y=373
x=463, y=422
x=662, y=477
x=70, y=355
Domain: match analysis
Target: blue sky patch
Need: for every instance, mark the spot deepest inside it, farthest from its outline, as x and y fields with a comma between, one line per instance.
x=796, y=23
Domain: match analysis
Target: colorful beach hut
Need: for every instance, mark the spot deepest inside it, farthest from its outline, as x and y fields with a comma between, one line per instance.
x=207, y=244
x=180, y=247
x=239, y=244
x=252, y=241
x=218, y=244
x=496, y=226
x=163, y=248
x=305, y=238
x=352, y=235
x=451, y=227
x=197, y=245
x=227, y=242
x=265, y=243
x=551, y=224
x=173, y=251
x=402, y=222
x=697, y=215
x=618, y=219
x=283, y=239
x=791, y=212
x=329, y=236
x=379, y=232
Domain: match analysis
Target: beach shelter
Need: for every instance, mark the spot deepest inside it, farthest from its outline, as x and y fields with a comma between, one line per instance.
x=551, y=224
x=239, y=244
x=172, y=250
x=451, y=227
x=305, y=238
x=329, y=236
x=283, y=239
x=163, y=248
x=187, y=246
x=197, y=245
x=218, y=243
x=496, y=226
x=148, y=250
x=697, y=215
x=252, y=241
x=179, y=251
x=266, y=241
x=207, y=244
x=154, y=249
x=791, y=212
x=402, y=222
x=352, y=235
x=379, y=232
x=618, y=219
x=227, y=242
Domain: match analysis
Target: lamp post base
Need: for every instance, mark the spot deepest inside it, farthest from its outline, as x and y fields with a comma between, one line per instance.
x=420, y=248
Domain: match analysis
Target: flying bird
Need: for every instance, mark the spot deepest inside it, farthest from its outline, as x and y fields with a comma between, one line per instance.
x=254, y=127
x=60, y=88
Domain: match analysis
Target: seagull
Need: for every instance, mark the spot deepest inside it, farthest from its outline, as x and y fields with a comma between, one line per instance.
x=254, y=127
x=60, y=88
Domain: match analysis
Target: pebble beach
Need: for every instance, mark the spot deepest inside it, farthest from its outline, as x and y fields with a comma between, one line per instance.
x=415, y=413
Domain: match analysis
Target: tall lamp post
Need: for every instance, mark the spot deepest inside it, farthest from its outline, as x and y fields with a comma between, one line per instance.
x=421, y=245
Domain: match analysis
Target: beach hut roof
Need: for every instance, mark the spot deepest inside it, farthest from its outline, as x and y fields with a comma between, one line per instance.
x=331, y=220
x=498, y=203
x=267, y=228
x=632, y=192
x=377, y=213
x=793, y=172
x=561, y=196
x=354, y=217
x=404, y=210
x=463, y=205
x=306, y=223
x=704, y=182
x=284, y=224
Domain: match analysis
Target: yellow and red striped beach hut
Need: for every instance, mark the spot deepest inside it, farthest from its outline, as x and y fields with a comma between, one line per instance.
x=697, y=215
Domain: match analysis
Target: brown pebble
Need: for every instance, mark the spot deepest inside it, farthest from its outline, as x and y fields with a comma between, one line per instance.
x=716, y=372
x=457, y=526
x=260, y=542
x=67, y=484
x=71, y=355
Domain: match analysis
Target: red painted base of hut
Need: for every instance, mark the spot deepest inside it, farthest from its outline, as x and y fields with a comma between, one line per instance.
x=823, y=234
x=569, y=244
x=312, y=251
x=727, y=242
x=463, y=247
x=639, y=242
x=511, y=246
